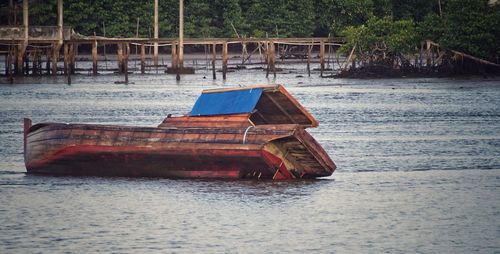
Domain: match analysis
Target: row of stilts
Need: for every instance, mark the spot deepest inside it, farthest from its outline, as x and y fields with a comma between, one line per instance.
x=23, y=60
x=39, y=59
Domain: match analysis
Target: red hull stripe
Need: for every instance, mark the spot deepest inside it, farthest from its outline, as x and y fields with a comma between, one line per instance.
x=273, y=161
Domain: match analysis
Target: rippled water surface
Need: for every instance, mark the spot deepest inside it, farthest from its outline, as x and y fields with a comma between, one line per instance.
x=418, y=171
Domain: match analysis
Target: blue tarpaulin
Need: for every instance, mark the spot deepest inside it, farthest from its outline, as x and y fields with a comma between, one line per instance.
x=223, y=103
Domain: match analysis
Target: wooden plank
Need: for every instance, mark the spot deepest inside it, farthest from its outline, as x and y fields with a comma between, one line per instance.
x=119, y=53
x=214, y=55
x=224, y=60
x=20, y=55
x=60, y=16
x=73, y=52
x=309, y=51
x=314, y=122
x=174, y=55
x=56, y=47
x=322, y=57
x=94, y=58
x=181, y=35
x=143, y=58
x=155, y=28
x=125, y=61
x=272, y=57
x=280, y=108
x=66, y=58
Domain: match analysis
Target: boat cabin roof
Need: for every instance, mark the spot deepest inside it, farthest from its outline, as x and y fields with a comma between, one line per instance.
x=265, y=104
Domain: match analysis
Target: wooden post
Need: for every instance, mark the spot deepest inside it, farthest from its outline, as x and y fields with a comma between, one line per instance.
x=60, y=14
x=33, y=62
x=22, y=46
x=7, y=67
x=259, y=46
x=224, y=59
x=16, y=60
x=94, y=58
x=69, y=76
x=428, y=54
x=174, y=55
x=70, y=64
x=47, y=66
x=66, y=58
x=11, y=60
x=27, y=64
x=40, y=62
x=56, y=47
x=322, y=57
x=105, y=55
x=119, y=53
x=214, y=55
x=25, y=20
x=125, y=61
x=73, y=51
x=267, y=58
x=309, y=50
x=421, y=60
x=181, y=34
x=243, y=52
x=143, y=59
x=156, y=32
x=36, y=62
x=272, y=55
x=8, y=64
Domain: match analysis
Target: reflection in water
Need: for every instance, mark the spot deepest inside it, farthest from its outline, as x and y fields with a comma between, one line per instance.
x=356, y=212
x=440, y=132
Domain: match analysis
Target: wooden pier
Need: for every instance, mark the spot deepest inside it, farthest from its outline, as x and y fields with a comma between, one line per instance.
x=37, y=50
x=28, y=57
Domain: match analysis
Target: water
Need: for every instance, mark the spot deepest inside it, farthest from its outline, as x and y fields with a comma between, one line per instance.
x=418, y=172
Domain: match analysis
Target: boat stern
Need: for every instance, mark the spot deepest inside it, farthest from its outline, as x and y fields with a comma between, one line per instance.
x=298, y=156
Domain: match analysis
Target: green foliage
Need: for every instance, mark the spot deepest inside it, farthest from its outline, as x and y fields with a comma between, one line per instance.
x=228, y=13
x=281, y=18
x=470, y=26
x=413, y=9
x=76, y=12
x=473, y=27
x=382, y=34
x=431, y=28
x=335, y=15
x=42, y=13
x=382, y=8
x=197, y=22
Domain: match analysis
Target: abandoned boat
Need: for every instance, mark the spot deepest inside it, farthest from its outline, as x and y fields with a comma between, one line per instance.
x=253, y=132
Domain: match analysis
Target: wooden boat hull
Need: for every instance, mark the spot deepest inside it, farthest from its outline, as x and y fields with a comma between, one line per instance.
x=235, y=152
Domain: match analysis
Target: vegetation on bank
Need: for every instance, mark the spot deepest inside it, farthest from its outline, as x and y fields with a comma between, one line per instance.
x=457, y=40
x=468, y=26
x=390, y=30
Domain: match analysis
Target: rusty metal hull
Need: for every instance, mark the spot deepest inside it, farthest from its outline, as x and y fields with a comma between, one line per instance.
x=236, y=151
